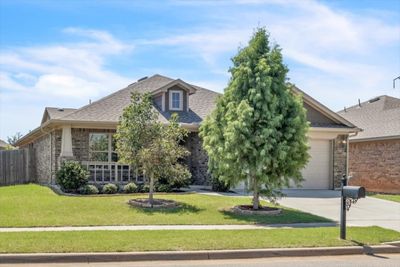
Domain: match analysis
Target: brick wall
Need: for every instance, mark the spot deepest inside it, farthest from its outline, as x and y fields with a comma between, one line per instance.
x=376, y=165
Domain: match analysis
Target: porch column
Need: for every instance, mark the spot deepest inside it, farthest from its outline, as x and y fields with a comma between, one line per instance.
x=66, y=142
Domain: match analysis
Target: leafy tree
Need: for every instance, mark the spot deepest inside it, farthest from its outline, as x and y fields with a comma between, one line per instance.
x=12, y=140
x=258, y=130
x=146, y=143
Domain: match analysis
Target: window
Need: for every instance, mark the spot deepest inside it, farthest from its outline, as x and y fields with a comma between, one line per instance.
x=102, y=147
x=176, y=100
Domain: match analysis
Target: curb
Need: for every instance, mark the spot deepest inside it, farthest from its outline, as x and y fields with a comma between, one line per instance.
x=193, y=255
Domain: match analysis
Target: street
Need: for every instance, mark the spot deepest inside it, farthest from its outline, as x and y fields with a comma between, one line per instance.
x=327, y=261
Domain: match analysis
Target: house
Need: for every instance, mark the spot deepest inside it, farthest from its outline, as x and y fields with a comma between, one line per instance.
x=3, y=145
x=374, y=159
x=86, y=134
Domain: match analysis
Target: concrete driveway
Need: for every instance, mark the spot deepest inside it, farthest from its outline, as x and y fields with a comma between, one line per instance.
x=326, y=203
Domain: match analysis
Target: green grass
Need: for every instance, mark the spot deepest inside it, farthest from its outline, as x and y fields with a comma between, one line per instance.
x=395, y=198
x=108, y=241
x=34, y=205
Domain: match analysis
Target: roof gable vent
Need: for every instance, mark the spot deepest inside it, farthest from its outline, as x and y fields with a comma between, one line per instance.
x=142, y=79
x=374, y=100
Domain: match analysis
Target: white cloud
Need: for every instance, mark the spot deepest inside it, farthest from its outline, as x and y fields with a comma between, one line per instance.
x=62, y=74
x=341, y=51
x=74, y=69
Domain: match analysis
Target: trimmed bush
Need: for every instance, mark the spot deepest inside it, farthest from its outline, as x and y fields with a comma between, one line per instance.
x=219, y=186
x=88, y=190
x=71, y=176
x=163, y=188
x=110, y=189
x=130, y=188
x=145, y=188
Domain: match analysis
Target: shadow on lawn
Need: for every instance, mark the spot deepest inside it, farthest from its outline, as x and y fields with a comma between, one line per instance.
x=183, y=208
x=286, y=217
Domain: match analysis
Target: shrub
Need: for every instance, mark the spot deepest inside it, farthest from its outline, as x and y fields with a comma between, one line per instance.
x=163, y=188
x=219, y=186
x=130, y=188
x=110, y=189
x=71, y=176
x=176, y=179
x=145, y=188
x=88, y=190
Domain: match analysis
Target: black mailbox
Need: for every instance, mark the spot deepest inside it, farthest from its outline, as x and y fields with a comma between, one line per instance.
x=354, y=192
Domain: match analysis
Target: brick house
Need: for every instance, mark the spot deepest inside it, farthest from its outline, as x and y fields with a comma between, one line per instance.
x=374, y=159
x=86, y=134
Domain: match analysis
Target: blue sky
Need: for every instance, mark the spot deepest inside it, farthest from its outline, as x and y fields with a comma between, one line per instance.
x=63, y=53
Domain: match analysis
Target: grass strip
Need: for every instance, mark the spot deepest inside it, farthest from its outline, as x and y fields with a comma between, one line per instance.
x=166, y=240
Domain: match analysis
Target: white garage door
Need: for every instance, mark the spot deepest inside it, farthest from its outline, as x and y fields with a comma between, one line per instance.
x=317, y=172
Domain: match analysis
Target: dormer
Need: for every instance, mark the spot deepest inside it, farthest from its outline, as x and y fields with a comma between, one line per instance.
x=174, y=96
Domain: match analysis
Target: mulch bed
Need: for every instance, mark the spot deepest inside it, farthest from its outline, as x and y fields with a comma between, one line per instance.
x=157, y=203
x=248, y=210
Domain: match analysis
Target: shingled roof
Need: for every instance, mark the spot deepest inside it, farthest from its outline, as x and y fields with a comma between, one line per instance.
x=110, y=108
x=3, y=144
x=378, y=117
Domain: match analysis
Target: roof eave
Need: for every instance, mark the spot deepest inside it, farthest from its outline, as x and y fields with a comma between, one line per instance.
x=370, y=139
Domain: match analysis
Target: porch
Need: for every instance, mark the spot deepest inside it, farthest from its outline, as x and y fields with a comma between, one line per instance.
x=111, y=172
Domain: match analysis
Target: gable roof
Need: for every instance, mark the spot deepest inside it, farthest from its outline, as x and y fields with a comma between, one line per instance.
x=51, y=113
x=110, y=108
x=378, y=117
x=105, y=112
x=3, y=143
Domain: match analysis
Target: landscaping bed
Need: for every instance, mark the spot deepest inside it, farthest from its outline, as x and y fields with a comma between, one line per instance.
x=34, y=205
x=177, y=240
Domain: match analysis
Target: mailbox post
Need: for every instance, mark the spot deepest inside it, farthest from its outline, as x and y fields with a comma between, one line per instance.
x=343, y=210
x=350, y=195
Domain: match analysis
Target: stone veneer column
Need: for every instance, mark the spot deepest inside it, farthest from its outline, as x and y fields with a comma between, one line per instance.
x=198, y=160
x=340, y=160
x=66, y=143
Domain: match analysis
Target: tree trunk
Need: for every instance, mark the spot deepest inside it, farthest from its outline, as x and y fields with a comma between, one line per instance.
x=151, y=190
x=256, y=195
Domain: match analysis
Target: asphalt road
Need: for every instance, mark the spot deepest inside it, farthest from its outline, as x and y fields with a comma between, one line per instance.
x=327, y=261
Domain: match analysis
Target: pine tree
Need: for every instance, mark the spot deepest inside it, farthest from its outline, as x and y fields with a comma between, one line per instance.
x=257, y=133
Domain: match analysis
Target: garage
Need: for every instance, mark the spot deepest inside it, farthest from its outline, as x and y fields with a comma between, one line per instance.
x=317, y=173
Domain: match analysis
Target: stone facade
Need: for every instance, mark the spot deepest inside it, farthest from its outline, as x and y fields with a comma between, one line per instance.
x=43, y=156
x=339, y=159
x=198, y=160
x=376, y=165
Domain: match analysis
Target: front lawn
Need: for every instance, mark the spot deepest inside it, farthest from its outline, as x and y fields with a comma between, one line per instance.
x=395, y=198
x=34, y=205
x=110, y=241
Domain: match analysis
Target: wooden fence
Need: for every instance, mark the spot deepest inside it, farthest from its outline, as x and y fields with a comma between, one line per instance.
x=15, y=167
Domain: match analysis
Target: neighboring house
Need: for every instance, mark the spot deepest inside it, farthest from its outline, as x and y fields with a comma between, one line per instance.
x=374, y=159
x=3, y=145
x=86, y=134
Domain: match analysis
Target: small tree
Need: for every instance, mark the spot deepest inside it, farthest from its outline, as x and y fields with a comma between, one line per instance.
x=144, y=142
x=258, y=130
x=12, y=140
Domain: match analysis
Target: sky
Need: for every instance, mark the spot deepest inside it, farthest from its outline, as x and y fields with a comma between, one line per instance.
x=63, y=53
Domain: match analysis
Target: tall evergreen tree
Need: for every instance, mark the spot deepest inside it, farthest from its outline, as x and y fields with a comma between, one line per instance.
x=257, y=133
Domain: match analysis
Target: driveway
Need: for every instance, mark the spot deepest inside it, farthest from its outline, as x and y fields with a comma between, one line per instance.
x=326, y=203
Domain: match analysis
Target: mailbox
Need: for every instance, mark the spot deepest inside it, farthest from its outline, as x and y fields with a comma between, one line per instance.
x=353, y=192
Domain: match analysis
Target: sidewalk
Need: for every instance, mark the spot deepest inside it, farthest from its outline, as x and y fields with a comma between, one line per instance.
x=165, y=227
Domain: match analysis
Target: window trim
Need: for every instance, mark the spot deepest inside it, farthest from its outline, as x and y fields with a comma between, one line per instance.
x=109, y=150
x=171, y=92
